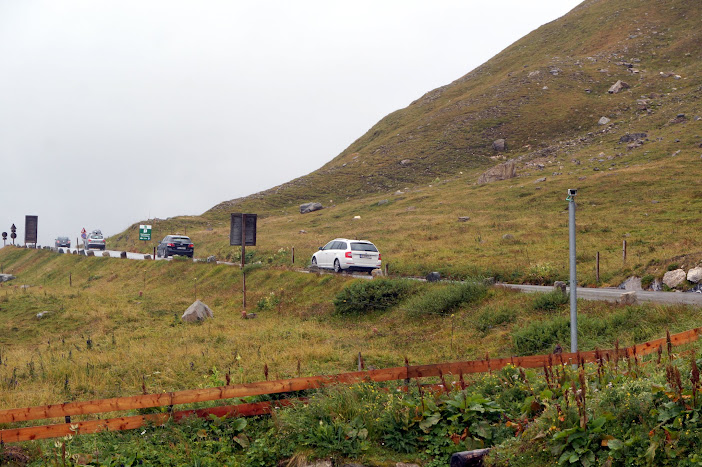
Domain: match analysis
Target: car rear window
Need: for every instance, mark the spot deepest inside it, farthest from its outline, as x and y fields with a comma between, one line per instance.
x=363, y=247
x=97, y=237
x=181, y=239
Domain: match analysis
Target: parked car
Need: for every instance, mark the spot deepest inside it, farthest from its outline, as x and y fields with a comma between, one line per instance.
x=63, y=242
x=94, y=240
x=342, y=254
x=175, y=245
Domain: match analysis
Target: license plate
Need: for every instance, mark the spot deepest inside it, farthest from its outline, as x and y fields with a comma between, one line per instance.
x=366, y=256
x=181, y=248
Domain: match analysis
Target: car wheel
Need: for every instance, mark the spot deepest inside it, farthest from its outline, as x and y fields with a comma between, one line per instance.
x=337, y=266
x=314, y=262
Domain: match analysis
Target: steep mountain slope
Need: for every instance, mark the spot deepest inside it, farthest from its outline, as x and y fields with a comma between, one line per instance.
x=547, y=87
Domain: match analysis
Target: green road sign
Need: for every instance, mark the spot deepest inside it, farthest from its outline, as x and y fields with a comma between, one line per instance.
x=144, y=232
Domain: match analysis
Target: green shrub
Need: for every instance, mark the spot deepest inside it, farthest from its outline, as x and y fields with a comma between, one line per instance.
x=491, y=318
x=442, y=298
x=673, y=267
x=379, y=294
x=550, y=301
x=540, y=336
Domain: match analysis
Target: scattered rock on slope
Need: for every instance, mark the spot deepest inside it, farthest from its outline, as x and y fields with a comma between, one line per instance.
x=499, y=172
x=618, y=87
x=499, y=145
x=198, y=311
x=631, y=137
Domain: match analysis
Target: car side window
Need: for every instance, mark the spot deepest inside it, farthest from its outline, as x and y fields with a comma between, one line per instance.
x=341, y=246
x=328, y=246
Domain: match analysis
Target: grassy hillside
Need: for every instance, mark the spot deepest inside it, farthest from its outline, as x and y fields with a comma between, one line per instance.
x=544, y=95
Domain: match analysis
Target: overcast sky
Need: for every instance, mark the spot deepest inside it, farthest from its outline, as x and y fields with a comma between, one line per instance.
x=112, y=112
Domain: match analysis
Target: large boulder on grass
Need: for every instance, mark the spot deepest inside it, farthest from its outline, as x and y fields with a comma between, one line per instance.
x=198, y=311
x=6, y=277
x=694, y=275
x=674, y=278
x=310, y=207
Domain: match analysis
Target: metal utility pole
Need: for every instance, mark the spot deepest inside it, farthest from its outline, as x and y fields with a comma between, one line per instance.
x=573, y=279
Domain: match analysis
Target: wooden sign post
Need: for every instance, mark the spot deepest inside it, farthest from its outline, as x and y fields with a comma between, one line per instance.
x=243, y=232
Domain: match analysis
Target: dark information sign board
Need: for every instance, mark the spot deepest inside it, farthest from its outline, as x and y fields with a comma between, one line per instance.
x=30, y=229
x=235, y=229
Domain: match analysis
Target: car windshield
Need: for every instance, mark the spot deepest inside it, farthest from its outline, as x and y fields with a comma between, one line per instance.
x=363, y=247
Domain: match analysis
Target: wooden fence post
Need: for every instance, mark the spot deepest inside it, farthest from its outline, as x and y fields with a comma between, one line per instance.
x=597, y=268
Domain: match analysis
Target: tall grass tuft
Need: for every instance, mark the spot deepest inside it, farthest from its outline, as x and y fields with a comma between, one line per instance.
x=550, y=301
x=445, y=298
x=364, y=296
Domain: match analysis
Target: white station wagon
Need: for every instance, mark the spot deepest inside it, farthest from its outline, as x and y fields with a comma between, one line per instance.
x=343, y=254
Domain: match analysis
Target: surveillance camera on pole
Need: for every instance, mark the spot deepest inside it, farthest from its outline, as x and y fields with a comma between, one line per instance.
x=573, y=280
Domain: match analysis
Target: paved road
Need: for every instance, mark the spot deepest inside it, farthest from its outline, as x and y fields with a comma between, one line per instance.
x=612, y=295
x=606, y=294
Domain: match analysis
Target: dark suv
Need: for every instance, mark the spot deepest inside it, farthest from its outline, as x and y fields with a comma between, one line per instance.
x=175, y=245
x=63, y=242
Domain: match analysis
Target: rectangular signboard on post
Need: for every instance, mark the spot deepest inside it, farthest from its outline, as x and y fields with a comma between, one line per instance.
x=235, y=233
x=145, y=232
x=30, y=229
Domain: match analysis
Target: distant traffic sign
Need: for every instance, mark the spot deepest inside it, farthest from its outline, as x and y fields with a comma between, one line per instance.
x=144, y=232
x=83, y=233
x=30, y=229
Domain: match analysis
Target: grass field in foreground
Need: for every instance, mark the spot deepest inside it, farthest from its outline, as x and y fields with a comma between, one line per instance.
x=117, y=327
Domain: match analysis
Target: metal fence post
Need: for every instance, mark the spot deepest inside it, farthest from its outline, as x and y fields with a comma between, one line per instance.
x=573, y=278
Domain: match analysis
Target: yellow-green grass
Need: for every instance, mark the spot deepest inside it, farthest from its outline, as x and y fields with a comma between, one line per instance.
x=518, y=228
x=130, y=310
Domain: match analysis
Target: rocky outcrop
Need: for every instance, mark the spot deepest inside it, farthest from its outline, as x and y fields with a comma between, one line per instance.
x=198, y=311
x=310, y=207
x=499, y=172
x=632, y=137
x=632, y=283
x=499, y=145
